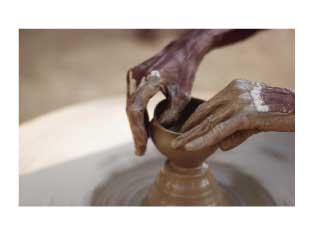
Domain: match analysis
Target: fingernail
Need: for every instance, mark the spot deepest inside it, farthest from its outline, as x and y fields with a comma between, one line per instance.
x=190, y=146
x=174, y=144
x=139, y=151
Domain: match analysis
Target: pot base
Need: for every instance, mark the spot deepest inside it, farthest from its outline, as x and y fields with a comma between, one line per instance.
x=133, y=186
x=176, y=186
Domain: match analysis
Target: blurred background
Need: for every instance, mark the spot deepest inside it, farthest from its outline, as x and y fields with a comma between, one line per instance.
x=64, y=67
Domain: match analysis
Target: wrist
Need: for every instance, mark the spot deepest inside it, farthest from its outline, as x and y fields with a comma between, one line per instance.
x=199, y=42
x=279, y=105
x=280, y=100
x=272, y=99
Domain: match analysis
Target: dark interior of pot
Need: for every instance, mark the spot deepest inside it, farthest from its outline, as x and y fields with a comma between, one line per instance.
x=185, y=114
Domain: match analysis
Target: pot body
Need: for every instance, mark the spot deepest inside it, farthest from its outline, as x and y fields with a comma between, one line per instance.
x=185, y=179
x=163, y=136
x=179, y=157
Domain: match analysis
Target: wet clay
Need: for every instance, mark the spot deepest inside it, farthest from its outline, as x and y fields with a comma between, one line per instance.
x=176, y=186
x=185, y=179
x=131, y=186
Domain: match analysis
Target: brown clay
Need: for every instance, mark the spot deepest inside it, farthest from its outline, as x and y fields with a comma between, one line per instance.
x=184, y=179
x=176, y=186
x=162, y=138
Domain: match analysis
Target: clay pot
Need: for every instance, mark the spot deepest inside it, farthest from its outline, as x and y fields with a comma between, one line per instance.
x=162, y=138
x=185, y=179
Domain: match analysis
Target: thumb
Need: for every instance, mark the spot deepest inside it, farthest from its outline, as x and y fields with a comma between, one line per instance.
x=236, y=139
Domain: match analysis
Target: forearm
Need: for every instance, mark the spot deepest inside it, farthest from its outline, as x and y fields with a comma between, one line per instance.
x=272, y=99
x=199, y=42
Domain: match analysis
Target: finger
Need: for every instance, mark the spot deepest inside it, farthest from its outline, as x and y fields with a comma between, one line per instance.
x=140, y=135
x=236, y=139
x=195, y=132
x=201, y=113
x=136, y=109
x=277, y=122
x=218, y=133
x=201, y=129
x=177, y=102
x=143, y=69
x=282, y=108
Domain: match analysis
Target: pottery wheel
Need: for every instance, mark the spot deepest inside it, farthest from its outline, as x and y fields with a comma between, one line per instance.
x=129, y=187
x=83, y=155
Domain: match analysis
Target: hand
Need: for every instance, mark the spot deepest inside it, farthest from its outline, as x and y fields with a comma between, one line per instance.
x=240, y=110
x=172, y=71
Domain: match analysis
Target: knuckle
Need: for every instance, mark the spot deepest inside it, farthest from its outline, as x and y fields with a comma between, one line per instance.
x=215, y=135
x=131, y=73
x=247, y=120
x=237, y=84
x=136, y=72
x=202, y=107
x=133, y=108
x=244, y=121
x=239, y=81
x=204, y=140
x=218, y=132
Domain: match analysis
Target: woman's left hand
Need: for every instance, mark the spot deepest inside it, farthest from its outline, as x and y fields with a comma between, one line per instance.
x=240, y=110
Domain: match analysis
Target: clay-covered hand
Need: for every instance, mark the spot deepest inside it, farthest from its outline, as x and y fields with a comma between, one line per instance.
x=240, y=110
x=170, y=71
